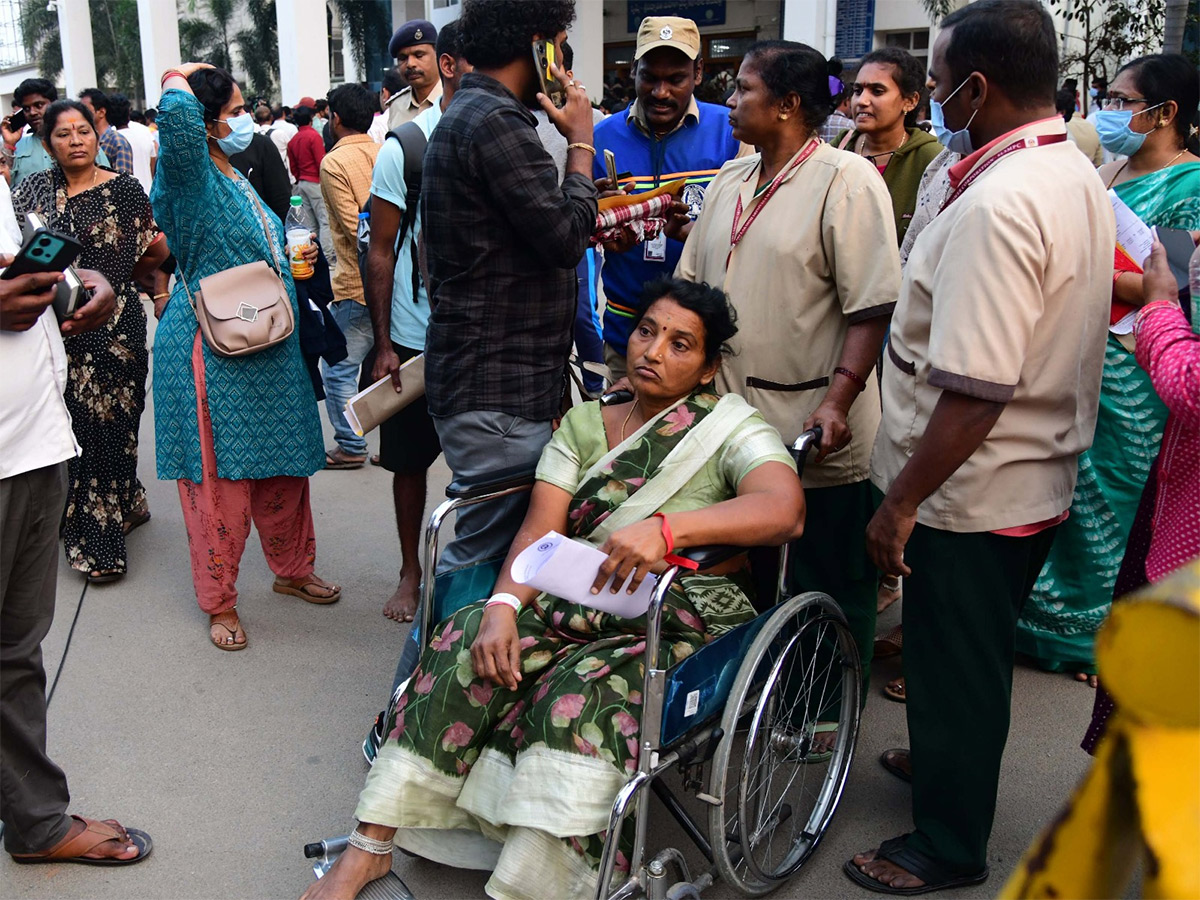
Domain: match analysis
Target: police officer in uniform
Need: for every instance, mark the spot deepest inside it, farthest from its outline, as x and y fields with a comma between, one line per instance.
x=412, y=46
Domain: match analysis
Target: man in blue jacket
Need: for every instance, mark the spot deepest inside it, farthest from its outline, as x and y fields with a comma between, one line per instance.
x=664, y=135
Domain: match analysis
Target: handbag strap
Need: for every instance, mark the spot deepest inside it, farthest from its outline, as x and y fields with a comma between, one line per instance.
x=266, y=230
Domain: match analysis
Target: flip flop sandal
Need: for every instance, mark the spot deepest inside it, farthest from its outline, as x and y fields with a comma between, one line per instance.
x=302, y=591
x=375, y=460
x=895, y=690
x=221, y=645
x=93, y=835
x=820, y=756
x=935, y=876
x=104, y=577
x=890, y=644
x=886, y=759
x=136, y=520
x=336, y=459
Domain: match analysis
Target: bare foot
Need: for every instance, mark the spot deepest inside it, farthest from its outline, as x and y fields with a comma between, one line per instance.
x=402, y=605
x=349, y=874
x=1091, y=679
x=225, y=630
x=886, y=872
x=888, y=593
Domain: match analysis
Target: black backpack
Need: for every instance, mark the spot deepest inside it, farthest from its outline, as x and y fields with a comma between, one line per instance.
x=412, y=141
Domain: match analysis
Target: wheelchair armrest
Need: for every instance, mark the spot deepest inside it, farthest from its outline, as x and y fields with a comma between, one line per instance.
x=500, y=480
x=711, y=554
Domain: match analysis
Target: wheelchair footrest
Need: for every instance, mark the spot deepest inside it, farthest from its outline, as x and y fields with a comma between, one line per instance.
x=389, y=887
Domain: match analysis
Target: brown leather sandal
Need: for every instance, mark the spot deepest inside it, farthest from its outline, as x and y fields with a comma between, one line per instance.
x=95, y=833
x=232, y=643
x=304, y=590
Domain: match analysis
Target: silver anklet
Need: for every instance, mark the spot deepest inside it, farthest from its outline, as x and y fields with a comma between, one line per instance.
x=370, y=845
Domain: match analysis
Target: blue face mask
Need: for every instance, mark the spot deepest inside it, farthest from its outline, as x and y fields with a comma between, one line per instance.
x=241, y=130
x=1116, y=135
x=956, y=141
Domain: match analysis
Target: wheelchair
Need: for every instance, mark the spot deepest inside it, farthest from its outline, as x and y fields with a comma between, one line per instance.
x=738, y=720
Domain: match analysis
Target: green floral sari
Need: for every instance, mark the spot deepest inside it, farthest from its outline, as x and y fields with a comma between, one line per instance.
x=521, y=782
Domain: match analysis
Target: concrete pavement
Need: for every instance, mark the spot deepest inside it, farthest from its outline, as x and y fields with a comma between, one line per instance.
x=233, y=761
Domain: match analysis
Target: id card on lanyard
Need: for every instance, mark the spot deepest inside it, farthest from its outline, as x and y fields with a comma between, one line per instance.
x=655, y=250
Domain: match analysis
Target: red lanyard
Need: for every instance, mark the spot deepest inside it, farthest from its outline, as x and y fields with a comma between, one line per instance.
x=735, y=233
x=1024, y=143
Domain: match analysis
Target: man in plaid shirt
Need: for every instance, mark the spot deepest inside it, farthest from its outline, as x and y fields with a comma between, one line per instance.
x=502, y=237
x=112, y=142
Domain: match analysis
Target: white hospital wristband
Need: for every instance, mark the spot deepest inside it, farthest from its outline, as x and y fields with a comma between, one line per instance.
x=506, y=599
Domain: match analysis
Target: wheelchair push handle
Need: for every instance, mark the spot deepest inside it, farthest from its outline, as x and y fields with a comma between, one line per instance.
x=807, y=441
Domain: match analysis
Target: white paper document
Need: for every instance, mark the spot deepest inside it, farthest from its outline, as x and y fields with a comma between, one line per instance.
x=1134, y=237
x=565, y=568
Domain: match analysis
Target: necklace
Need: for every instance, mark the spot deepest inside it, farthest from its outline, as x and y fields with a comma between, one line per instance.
x=625, y=424
x=1117, y=174
x=95, y=176
x=874, y=156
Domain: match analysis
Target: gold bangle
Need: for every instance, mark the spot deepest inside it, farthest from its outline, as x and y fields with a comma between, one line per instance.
x=160, y=296
x=588, y=147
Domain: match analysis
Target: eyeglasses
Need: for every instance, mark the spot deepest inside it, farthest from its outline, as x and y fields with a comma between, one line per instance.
x=1118, y=103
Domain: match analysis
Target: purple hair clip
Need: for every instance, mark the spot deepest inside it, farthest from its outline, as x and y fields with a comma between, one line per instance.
x=835, y=86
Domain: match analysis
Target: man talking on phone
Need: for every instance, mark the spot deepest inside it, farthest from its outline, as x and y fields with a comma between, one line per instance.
x=502, y=237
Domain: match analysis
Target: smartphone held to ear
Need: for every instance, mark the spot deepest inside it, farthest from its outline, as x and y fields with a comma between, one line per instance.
x=45, y=250
x=545, y=54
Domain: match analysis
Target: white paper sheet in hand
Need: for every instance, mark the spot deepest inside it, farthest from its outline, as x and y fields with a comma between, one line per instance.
x=1134, y=237
x=565, y=568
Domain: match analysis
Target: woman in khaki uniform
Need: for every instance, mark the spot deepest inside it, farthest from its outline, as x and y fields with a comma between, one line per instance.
x=802, y=238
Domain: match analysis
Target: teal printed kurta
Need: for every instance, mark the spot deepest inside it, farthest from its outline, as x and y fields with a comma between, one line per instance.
x=264, y=413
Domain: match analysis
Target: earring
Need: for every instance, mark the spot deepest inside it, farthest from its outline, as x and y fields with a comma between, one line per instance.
x=783, y=116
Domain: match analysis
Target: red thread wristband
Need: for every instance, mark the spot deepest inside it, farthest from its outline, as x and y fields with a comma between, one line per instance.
x=670, y=556
x=852, y=375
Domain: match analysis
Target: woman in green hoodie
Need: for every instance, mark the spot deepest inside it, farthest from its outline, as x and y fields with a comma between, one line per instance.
x=884, y=107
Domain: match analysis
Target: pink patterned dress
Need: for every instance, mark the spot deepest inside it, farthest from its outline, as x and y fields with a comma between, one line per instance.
x=1169, y=350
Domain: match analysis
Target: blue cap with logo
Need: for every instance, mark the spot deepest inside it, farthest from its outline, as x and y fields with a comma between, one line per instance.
x=417, y=31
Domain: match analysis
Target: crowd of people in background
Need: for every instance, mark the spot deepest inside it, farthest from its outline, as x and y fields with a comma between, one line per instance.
x=920, y=262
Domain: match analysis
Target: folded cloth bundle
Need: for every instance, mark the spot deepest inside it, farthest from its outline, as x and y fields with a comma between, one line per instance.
x=646, y=218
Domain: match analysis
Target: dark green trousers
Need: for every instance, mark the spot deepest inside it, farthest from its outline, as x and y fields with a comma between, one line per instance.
x=961, y=606
x=831, y=557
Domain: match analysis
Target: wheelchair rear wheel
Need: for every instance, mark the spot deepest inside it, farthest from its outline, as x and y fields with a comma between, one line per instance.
x=778, y=785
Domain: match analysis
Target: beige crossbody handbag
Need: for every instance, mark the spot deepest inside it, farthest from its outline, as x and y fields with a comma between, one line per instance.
x=244, y=309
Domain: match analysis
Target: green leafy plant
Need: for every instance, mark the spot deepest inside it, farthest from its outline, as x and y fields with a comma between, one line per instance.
x=206, y=38
x=116, y=43
x=259, y=46
x=365, y=25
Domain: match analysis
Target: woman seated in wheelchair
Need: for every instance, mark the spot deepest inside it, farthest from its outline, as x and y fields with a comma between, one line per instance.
x=511, y=740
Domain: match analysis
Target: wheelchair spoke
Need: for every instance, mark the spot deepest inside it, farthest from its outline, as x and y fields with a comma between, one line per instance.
x=803, y=671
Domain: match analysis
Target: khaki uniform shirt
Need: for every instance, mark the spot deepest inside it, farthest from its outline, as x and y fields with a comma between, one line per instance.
x=345, y=186
x=1086, y=138
x=820, y=257
x=1005, y=298
x=404, y=106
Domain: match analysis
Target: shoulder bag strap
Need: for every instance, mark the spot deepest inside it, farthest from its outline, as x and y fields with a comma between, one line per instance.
x=266, y=228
